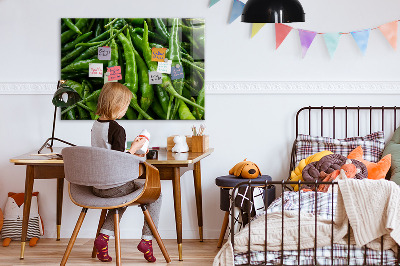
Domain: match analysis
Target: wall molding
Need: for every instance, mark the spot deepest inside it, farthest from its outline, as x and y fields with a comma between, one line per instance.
x=250, y=87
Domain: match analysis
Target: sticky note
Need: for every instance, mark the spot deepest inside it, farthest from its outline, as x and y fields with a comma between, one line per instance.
x=158, y=54
x=164, y=67
x=177, y=72
x=115, y=73
x=95, y=70
x=104, y=53
x=106, y=75
x=155, y=77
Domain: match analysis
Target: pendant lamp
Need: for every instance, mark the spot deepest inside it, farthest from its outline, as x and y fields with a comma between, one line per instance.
x=272, y=11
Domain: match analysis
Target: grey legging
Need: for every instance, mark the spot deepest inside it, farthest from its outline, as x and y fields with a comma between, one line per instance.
x=154, y=208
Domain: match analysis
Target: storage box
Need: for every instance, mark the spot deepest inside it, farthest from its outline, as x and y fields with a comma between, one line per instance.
x=200, y=143
x=171, y=143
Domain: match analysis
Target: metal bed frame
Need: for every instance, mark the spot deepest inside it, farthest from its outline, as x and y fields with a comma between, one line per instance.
x=283, y=184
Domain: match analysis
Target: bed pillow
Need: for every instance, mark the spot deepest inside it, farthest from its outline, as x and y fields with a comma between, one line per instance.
x=372, y=144
x=393, y=148
x=375, y=170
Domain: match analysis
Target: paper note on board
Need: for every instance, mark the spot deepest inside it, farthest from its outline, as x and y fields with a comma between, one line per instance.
x=95, y=70
x=104, y=53
x=106, y=75
x=177, y=72
x=115, y=73
x=164, y=67
x=155, y=77
x=158, y=54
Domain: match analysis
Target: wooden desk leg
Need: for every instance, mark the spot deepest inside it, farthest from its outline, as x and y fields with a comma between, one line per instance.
x=199, y=204
x=60, y=190
x=27, y=206
x=176, y=182
x=223, y=229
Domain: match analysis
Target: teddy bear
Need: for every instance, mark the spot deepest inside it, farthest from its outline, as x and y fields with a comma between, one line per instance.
x=13, y=215
x=180, y=144
x=245, y=169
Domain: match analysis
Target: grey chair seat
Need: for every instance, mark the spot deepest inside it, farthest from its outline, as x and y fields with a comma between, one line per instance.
x=83, y=196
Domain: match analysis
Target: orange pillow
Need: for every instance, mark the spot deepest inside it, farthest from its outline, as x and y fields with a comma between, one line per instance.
x=375, y=170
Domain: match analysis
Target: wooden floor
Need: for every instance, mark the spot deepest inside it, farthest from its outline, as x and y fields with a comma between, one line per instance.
x=50, y=252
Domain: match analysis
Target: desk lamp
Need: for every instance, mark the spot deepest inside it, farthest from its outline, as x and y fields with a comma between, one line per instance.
x=273, y=11
x=63, y=97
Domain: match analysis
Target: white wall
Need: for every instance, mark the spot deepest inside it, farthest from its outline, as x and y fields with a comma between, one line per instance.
x=257, y=126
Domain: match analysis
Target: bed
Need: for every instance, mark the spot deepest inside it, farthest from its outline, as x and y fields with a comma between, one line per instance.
x=262, y=241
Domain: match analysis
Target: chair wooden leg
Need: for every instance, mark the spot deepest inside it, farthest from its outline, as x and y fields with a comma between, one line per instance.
x=73, y=237
x=117, y=239
x=101, y=222
x=223, y=229
x=154, y=230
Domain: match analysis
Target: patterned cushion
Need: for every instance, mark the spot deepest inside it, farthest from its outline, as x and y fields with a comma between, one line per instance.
x=372, y=144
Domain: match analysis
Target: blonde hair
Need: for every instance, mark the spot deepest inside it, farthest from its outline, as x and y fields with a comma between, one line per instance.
x=113, y=97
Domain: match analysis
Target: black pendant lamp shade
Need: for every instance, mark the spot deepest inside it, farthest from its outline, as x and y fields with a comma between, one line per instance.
x=273, y=11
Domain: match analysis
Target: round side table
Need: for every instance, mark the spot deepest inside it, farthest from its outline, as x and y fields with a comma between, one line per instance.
x=228, y=182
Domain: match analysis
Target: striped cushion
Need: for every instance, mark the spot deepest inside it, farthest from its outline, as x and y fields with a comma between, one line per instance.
x=13, y=228
x=372, y=145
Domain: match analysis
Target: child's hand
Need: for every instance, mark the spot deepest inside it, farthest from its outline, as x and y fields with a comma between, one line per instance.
x=137, y=144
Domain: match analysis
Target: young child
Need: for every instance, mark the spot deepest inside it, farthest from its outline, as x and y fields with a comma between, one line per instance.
x=106, y=133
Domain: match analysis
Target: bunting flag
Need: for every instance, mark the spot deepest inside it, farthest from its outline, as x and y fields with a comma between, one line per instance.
x=361, y=37
x=389, y=30
x=306, y=39
x=281, y=31
x=213, y=2
x=256, y=28
x=332, y=41
x=237, y=8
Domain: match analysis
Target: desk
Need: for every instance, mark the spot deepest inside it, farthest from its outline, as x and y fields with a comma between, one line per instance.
x=169, y=165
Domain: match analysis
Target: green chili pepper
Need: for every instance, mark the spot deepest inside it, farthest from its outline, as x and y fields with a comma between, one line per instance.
x=187, y=62
x=146, y=90
x=161, y=28
x=83, y=115
x=82, y=65
x=70, y=115
x=94, y=49
x=93, y=107
x=78, y=51
x=67, y=35
x=63, y=26
x=73, y=76
x=71, y=25
x=152, y=65
x=200, y=100
x=121, y=63
x=87, y=44
x=87, y=88
x=99, y=28
x=158, y=110
x=137, y=41
x=130, y=114
x=71, y=45
x=163, y=97
x=76, y=86
x=152, y=35
x=131, y=75
x=114, y=54
x=136, y=21
x=184, y=112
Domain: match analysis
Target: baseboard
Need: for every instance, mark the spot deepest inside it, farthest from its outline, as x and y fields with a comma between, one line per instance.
x=248, y=87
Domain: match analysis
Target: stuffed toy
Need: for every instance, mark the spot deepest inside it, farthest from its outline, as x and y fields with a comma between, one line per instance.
x=393, y=147
x=296, y=174
x=375, y=170
x=180, y=144
x=348, y=170
x=13, y=215
x=245, y=169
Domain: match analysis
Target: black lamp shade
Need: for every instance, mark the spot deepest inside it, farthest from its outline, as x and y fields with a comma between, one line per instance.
x=70, y=96
x=273, y=11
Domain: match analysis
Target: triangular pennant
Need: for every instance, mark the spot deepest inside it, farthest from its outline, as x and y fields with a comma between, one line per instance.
x=237, y=8
x=306, y=39
x=361, y=37
x=332, y=41
x=389, y=30
x=255, y=28
x=213, y=2
x=281, y=31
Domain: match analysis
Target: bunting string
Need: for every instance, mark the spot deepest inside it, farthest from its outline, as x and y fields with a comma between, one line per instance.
x=361, y=37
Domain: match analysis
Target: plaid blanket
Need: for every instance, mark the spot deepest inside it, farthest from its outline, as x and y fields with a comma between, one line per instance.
x=323, y=205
